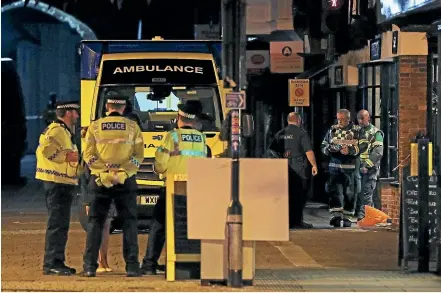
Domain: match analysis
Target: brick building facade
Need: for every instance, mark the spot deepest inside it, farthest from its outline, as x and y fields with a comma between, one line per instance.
x=395, y=93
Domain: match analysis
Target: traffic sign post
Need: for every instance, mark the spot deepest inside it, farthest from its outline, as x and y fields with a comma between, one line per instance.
x=236, y=100
x=234, y=43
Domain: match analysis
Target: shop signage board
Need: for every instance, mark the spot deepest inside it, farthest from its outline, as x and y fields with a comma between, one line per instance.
x=285, y=58
x=410, y=218
x=257, y=61
x=338, y=75
x=375, y=49
x=395, y=42
x=207, y=32
x=299, y=95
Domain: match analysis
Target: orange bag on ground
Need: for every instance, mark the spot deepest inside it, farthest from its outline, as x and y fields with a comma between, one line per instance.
x=373, y=217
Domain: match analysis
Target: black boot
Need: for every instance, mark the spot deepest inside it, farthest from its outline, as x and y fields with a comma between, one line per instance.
x=347, y=223
x=336, y=222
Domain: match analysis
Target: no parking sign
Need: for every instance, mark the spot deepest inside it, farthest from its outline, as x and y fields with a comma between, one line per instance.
x=299, y=92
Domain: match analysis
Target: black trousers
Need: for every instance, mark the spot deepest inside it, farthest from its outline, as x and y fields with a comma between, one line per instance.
x=124, y=197
x=156, y=238
x=341, y=187
x=58, y=202
x=298, y=195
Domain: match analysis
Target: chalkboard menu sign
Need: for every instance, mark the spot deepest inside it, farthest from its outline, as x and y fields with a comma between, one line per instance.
x=183, y=245
x=410, y=216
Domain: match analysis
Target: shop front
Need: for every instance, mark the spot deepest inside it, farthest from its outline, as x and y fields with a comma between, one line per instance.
x=389, y=79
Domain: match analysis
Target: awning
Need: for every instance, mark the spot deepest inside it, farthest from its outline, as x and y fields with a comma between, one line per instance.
x=315, y=71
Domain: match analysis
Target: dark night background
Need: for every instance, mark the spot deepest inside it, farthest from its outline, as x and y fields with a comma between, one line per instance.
x=171, y=19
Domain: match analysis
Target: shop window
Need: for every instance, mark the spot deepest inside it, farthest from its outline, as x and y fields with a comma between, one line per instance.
x=378, y=93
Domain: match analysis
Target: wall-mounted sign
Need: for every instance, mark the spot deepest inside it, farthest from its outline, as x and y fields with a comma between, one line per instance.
x=395, y=42
x=257, y=60
x=236, y=100
x=375, y=49
x=338, y=75
x=298, y=92
x=207, y=32
x=284, y=57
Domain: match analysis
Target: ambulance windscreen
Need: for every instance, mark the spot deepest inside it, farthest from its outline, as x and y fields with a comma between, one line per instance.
x=158, y=114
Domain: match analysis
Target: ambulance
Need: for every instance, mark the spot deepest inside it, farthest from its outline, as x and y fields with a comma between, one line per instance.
x=156, y=75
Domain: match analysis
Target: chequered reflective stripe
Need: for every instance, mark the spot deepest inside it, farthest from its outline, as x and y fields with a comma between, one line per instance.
x=53, y=172
x=54, y=155
x=135, y=162
x=348, y=213
x=92, y=160
x=113, y=166
x=189, y=153
x=175, y=137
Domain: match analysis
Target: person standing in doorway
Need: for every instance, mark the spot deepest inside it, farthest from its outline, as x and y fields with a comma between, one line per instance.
x=293, y=143
x=369, y=162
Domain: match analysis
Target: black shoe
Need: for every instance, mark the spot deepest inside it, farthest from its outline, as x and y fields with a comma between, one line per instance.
x=132, y=274
x=160, y=269
x=302, y=225
x=347, y=223
x=148, y=271
x=88, y=274
x=336, y=222
x=57, y=271
x=72, y=270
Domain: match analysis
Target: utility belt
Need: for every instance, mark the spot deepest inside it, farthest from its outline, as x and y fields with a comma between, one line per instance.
x=297, y=162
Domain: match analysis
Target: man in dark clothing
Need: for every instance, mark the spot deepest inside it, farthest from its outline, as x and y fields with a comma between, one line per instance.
x=293, y=143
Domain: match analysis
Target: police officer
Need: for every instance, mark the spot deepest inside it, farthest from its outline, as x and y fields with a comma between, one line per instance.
x=342, y=145
x=293, y=143
x=57, y=166
x=114, y=150
x=171, y=158
x=370, y=162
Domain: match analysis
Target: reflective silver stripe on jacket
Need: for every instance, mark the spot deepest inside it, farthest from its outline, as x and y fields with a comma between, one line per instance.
x=342, y=166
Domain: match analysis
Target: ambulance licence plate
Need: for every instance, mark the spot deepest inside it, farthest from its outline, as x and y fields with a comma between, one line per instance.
x=148, y=199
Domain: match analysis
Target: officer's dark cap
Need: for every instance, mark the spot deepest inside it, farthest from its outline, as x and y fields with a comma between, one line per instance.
x=192, y=109
x=117, y=100
x=70, y=105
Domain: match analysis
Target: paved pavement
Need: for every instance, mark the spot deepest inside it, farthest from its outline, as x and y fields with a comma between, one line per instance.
x=320, y=259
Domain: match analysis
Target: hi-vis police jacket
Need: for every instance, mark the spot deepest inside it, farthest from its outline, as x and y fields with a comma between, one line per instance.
x=113, y=143
x=179, y=145
x=55, y=142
